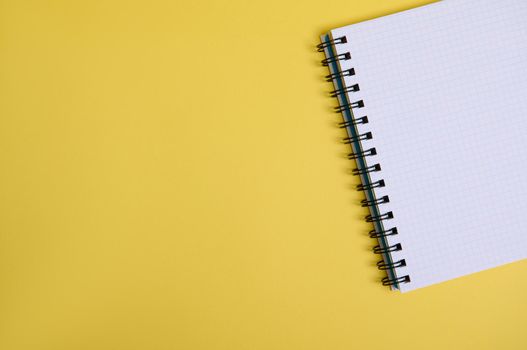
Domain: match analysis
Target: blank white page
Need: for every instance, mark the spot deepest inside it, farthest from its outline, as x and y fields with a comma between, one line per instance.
x=445, y=92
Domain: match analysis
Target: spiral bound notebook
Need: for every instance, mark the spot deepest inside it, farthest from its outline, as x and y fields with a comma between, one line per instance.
x=434, y=102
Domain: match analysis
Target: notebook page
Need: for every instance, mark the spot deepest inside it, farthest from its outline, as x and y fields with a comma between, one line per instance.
x=445, y=92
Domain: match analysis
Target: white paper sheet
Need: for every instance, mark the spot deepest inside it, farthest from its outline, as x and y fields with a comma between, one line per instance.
x=445, y=92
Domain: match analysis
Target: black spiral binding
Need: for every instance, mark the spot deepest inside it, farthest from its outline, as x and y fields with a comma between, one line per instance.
x=348, y=109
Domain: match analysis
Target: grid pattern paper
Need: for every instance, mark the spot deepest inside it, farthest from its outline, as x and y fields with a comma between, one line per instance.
x=445, y=92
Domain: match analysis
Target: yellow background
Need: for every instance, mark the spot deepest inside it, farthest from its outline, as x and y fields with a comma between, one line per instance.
x=171, y=179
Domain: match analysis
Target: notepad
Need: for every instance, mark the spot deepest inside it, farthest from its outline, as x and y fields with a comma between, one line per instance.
x=434, y=102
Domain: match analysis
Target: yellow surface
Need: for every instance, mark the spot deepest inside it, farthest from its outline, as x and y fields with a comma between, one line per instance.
x=171, y=179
